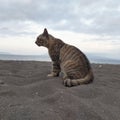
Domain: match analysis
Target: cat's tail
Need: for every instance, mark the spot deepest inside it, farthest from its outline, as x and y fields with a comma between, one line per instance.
x=87, y=79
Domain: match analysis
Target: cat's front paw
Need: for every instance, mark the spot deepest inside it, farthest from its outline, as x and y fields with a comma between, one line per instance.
x=52, y=75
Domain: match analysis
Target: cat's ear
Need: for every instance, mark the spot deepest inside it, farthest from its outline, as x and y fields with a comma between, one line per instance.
x=45, y=33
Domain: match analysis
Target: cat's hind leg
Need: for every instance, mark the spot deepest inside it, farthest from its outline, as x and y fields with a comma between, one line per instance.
x=69, y=70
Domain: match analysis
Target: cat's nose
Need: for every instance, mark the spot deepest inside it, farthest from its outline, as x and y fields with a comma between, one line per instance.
x=35, y=42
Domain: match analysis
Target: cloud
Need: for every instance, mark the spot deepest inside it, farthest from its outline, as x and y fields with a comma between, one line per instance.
x=95, y=17
x=17, y=28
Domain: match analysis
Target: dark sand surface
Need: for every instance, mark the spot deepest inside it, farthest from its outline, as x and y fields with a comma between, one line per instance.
x=26, y=93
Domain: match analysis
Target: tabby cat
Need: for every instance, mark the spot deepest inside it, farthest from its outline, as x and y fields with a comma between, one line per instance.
x=66, y=59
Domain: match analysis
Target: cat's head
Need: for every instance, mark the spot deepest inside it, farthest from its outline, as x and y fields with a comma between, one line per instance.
x=42, y=39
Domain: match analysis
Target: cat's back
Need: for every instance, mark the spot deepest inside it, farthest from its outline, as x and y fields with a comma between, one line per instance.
x=69, y=52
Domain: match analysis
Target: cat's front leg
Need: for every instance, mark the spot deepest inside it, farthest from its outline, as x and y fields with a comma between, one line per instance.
x=55, y=70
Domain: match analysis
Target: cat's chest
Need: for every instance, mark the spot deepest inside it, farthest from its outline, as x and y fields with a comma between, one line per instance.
x=54, y=54
x=54, y=51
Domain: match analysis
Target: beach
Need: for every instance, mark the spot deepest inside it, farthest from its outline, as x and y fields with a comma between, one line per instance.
x=26, y=93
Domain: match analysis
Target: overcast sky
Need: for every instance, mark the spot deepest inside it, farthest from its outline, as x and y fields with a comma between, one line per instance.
x=91, y=25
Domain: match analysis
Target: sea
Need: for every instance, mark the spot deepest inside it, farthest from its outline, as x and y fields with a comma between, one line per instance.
x=92, y=58
x=24, y=57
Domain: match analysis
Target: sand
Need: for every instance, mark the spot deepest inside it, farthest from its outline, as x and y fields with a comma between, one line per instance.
x=26, y=93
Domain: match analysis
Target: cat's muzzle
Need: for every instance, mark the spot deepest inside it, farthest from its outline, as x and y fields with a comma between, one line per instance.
x=37, y=43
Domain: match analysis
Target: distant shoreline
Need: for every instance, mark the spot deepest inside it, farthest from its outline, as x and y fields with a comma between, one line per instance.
x=93, y=59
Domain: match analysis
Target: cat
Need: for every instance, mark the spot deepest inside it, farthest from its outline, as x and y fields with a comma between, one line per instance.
x=66, y=59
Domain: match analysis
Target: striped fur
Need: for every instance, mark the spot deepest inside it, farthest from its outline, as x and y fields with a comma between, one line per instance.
x=66, y=59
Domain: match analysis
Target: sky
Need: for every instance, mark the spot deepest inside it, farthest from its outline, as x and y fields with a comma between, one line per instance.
x=91, y=25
